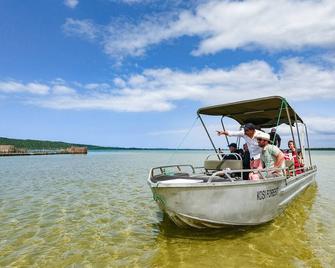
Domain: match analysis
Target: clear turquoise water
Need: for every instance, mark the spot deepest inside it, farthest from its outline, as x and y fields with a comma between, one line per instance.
x=97, y=211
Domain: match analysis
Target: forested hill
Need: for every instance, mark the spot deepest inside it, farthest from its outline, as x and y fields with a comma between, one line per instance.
x=48, y=145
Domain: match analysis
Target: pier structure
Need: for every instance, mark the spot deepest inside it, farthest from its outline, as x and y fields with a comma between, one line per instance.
x=11, y=150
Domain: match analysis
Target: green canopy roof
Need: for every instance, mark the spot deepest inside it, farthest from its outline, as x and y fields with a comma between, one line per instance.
x=263, y=112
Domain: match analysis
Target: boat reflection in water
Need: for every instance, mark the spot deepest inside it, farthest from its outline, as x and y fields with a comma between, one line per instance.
x=283, y=242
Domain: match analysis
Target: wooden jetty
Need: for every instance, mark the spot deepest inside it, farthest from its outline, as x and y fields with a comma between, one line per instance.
x=11, y=150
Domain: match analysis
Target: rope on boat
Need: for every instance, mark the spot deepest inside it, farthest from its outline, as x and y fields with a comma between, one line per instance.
x=182, y=140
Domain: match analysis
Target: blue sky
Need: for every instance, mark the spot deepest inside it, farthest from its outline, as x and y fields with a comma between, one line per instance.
x=133, y=73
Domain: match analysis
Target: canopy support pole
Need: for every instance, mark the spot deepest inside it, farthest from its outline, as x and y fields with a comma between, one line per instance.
x=298, y=133
x=209, y=136
x=278, y=120
x=224, y=129
x=290, y=123
x=309, y=149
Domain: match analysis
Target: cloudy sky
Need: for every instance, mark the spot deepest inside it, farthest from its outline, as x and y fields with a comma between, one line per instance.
x=134, y=72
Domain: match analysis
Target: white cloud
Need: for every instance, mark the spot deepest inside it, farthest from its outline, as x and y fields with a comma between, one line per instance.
x=17, y=87
x=321, y=132
x=97, y=86
x=63, y=90
x=324, y=125
x=162, y=89
x=82, y=28
x=58, y=81
x=71, y=3
x=158, y=4
x=220, y=25
x=329, y=58
x=131, y=2
x=119, y=82
x=168, y=132
x=124, y=102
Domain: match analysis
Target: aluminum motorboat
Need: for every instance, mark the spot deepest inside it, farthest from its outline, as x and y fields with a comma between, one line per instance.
x=215, y=194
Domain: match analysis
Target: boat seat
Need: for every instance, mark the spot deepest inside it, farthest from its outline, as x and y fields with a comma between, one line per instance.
x=223, y=164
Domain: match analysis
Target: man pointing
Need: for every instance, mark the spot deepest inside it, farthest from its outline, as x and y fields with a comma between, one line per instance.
x=249, y=134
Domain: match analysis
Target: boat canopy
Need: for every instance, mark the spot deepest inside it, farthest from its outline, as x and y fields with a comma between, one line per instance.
x=263, y=112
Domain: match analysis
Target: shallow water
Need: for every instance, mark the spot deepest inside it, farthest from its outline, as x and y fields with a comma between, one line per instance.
x=96, y=210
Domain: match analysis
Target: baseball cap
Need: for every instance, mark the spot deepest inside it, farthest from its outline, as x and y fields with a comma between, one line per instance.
x=249, y=126
x=233, y=145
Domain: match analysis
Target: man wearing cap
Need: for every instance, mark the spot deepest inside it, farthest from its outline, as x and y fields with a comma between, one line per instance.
x=233, y=150
x=275, y=139
x=249, y=135
x=271, y=155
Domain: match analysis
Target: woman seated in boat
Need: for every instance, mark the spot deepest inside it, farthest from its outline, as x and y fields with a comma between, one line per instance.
x=294, y=155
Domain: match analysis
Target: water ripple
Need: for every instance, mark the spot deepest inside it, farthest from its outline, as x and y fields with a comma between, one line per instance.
x=97, y=210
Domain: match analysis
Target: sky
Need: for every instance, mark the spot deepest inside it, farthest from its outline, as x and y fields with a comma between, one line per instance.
x=132, y=73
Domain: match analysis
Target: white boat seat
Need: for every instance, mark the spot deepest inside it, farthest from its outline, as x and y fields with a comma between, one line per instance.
x=223, y=164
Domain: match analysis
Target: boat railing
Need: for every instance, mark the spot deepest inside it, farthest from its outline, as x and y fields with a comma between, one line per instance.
x=260, y=172
x=285, y=171
x=229, y=173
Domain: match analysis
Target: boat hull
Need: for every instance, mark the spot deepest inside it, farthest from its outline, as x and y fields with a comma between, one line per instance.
x=221, y=204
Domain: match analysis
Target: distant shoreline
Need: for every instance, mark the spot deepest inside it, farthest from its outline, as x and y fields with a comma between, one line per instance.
x=183, y=149
x=56, y=145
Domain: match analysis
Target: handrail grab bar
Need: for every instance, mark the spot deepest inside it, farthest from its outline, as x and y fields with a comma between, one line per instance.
x=228, y=171
x=169, y=166
x=238, y=156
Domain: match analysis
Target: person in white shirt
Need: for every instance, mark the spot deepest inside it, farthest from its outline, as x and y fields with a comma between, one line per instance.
x=249, y=134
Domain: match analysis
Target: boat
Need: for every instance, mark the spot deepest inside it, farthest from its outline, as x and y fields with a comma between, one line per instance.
x=215, y=194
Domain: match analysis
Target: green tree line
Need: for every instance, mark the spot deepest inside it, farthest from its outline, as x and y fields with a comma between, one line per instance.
x=47, y=145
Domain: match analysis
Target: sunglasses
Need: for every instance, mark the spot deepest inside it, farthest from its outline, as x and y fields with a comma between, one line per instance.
x=260, y=139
